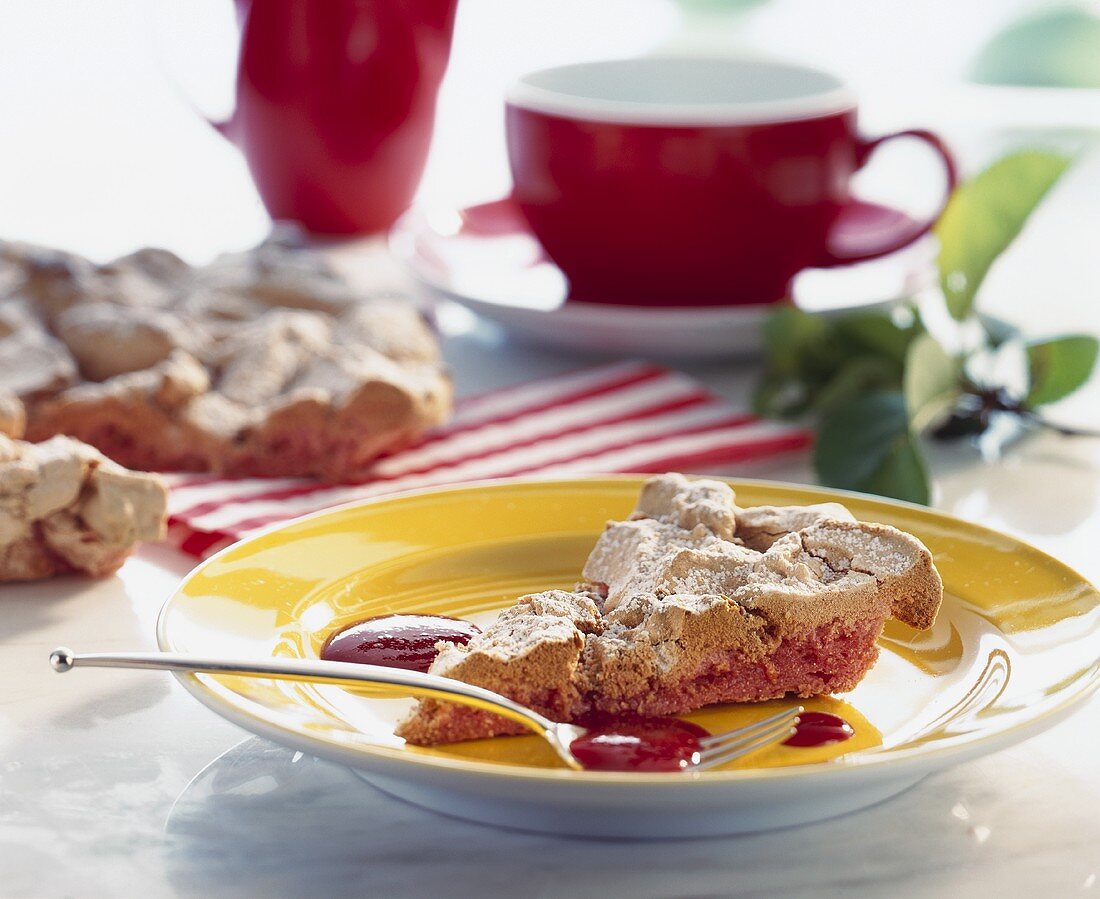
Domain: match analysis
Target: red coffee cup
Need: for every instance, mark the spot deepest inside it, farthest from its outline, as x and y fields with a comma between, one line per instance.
x=669, y=181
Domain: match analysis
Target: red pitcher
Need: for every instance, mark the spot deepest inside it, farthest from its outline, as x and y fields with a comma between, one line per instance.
x=335, y=102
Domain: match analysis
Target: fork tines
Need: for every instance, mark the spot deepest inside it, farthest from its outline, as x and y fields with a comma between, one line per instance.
x=721, y=748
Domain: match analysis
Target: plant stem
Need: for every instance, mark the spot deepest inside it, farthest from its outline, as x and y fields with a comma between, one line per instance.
x=997, y=399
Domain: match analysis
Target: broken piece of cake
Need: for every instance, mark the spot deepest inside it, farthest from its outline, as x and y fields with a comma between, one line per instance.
x=64, y=507
x=264, y=363
x=690, y=602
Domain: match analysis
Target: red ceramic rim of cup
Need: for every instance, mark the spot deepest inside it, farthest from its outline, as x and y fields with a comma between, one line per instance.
x=682, y=181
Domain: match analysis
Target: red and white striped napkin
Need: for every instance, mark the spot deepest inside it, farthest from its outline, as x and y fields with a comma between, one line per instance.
x=624, y=417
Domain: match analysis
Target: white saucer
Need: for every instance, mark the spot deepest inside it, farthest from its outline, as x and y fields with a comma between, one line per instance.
x=485, y=258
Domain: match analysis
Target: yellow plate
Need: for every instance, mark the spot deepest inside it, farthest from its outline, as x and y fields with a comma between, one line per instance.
x=1017, y=641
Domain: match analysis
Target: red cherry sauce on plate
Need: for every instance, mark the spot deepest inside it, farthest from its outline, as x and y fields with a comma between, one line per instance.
x=396, y=641
x=819, y=729
x=636, y=743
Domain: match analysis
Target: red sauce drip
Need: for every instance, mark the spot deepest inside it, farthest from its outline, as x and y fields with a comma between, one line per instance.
x=396, y=641
x=819, y=729
x=636, y=743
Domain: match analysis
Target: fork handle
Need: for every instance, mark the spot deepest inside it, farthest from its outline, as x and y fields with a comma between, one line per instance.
x=345, y=674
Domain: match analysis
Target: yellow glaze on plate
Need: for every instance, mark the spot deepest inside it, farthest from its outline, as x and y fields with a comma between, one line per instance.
x=1018, y=636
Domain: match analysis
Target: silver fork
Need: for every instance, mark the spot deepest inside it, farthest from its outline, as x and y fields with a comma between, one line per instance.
x=714, y=750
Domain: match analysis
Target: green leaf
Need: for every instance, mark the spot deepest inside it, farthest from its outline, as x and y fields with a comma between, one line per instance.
x=780, y=396
x=860, y=374
x=867, y=445
x=902, y=475
x=1059, y=366
x=880, y=332
x=815, y=362
x=789, y=334
x=985, y=215
x=931, y=383
x=1055, y=47
x=801, y=357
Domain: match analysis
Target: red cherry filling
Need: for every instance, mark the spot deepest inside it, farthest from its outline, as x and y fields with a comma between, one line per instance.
x=636, y=743
x=396, y=641
x=819, y=729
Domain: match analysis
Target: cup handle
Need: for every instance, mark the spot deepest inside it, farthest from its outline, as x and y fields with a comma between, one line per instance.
x=866, y=230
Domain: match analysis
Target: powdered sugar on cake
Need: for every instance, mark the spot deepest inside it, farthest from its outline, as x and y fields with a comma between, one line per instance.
x=693, y=601
x=268, y=362
x=64, y=507
x=532, y=653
